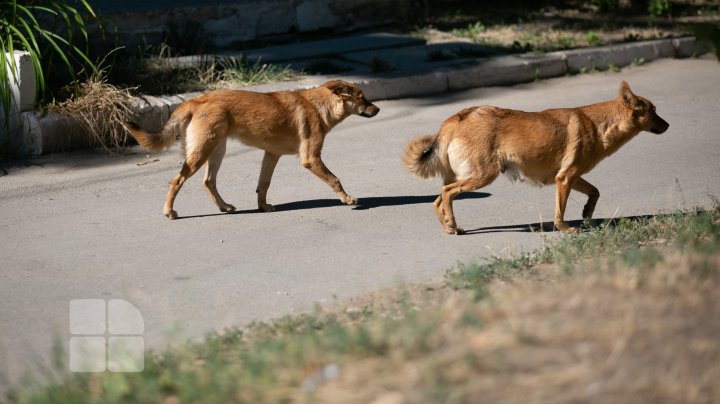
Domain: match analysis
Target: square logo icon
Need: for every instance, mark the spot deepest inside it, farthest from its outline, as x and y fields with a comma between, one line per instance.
x=106, y=336
x=87, y=354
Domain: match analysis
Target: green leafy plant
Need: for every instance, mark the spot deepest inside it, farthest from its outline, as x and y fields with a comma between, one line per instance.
x=471, y=31
x=238, y=70
x=47, y=30
x=658, y=8
x=592, y=38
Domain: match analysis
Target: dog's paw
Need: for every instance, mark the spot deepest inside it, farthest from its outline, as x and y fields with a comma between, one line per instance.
x=172, y=215
x=349, y=200
x=227, y=208
x=563, y=227
x=454, y=230
x=266, y=207
x=566, y=229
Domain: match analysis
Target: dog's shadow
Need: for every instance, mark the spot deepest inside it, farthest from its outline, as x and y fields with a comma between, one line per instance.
x=541, y=227
x=373, y=201
x=384, y=201
x=363, y=203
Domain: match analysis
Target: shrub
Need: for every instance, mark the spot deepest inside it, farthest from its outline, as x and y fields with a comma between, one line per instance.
x=47, y=29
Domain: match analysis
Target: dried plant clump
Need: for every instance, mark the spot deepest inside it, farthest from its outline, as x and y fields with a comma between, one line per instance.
x=100, y=109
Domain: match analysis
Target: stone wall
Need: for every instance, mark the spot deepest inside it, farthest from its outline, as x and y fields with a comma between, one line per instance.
x=226, y=24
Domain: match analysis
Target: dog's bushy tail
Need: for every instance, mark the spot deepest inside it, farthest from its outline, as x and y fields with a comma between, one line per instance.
x=157, y=141
x=421, y=156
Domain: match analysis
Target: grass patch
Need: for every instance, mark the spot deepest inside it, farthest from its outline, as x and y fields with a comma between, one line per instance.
x=158, y=72
x=237, y=71
x=630, y=238
x=622, y=311
x=550, y=26
x=100, y=110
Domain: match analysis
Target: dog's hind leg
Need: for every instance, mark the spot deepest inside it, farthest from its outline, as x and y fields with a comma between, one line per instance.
x=213, y=166
x=450, y=191
x=196, y=156
x=266, y=171
x=448, y=179
x=593, y=194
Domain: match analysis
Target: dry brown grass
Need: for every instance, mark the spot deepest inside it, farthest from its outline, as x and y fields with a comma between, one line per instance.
x=617, y=334
x=99, y=109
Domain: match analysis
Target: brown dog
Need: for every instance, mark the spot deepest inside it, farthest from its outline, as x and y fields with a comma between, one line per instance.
x=556, y=145
x=280, y=123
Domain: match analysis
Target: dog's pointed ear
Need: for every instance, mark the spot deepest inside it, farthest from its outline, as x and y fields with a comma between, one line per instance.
x=627, y=96
x=338, y=87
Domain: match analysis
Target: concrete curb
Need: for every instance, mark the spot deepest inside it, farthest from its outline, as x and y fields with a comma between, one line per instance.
x=152, y=112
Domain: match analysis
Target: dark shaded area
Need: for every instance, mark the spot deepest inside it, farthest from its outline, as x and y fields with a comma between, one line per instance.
x=372, y=202
x=143, y=66
x=146, y=68
x=447, y=14
x=710, y=33
x=363, y=203
x=550, y=227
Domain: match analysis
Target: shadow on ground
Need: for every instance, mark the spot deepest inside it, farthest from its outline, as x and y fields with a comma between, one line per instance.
x=363, y=204
x=541, y=227
x=373, y=202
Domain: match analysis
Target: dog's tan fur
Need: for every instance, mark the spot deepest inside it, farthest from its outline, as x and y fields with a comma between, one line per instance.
x=280, y=123
x=553, y=146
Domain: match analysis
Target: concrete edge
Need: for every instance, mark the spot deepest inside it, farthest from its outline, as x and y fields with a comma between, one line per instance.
x=40, y=133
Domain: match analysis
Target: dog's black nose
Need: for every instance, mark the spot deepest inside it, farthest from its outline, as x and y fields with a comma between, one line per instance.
x=370, y=111
x=660, y=126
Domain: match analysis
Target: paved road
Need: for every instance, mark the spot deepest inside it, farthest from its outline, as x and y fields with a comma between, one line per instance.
x=87, y=226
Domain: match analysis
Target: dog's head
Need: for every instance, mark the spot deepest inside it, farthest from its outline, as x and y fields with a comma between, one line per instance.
x=353, y=99
x=641, y=111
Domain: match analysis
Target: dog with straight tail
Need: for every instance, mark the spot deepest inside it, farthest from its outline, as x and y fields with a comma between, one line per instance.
x=280, y=123
x=557, y=146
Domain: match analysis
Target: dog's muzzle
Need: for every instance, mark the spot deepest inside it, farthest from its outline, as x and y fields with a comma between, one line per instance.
x=369, y=111
x=659, y=126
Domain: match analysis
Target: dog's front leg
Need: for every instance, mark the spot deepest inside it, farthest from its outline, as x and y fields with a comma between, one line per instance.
x=317, y=167
x=266, y=171
x=563, y=185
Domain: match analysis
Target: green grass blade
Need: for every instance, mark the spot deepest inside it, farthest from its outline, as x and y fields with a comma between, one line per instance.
x=5, y=89
x=33, y=46
x=88, y=8
x=62, y=54
x=49, y=37
x=34, y=51
x=11, y=51
x=29, y=14
x=41, y=8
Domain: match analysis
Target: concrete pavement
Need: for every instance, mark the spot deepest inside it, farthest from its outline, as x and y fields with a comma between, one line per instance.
x=82, y=225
